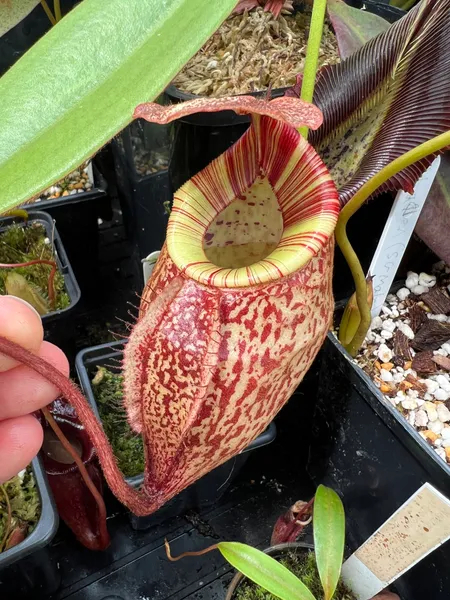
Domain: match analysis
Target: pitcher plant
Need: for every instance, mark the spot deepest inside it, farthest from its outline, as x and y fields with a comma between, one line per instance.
x=240, y=300
x=237, y=307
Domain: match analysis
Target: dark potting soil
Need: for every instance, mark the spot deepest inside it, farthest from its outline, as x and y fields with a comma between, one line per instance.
x=20, y=244
x=126, y=444
x=20, y=509
x=303, y=565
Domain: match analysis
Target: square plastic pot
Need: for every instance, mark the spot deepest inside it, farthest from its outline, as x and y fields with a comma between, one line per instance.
x=61, y=258
x=207, y=490
x=141, y=156
x=202, y=137
x=364, y=449
x=26, y=570
x=77, y=219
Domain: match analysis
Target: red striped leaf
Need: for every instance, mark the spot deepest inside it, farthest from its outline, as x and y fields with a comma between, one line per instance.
x=390, y=96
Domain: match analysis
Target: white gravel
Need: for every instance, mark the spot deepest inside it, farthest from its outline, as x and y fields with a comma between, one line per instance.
x=77, y=182
x=424, y=400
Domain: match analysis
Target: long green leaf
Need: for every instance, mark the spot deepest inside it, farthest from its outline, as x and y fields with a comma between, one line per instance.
x=265, y=571
x=78, y=86
x=353, y=27
x=13, y=11
x=329, y=537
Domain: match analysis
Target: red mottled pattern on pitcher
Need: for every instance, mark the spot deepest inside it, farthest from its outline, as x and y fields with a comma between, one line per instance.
x=219, y=365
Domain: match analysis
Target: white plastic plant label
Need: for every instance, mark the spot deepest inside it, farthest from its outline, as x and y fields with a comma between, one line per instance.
x=396, y=235
x=417, y=528
x=90, y=173
x=148, y=264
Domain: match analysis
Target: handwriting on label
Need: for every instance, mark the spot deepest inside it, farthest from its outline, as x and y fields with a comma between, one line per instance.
x=396, y=235
x=417, y=528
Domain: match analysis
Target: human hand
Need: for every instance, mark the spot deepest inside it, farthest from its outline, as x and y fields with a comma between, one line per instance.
x=22, y=391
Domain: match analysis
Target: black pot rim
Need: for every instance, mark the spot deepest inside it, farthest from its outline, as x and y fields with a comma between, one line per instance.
x=62, y=261
x=381, y=406
x=279, y=548
x=224, y=118
x=114, y=350
x=46, y=527
x=99, y=190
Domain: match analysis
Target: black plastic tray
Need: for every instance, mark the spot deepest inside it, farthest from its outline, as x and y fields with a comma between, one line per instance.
x=204, y=492
x=28, y=564
x=366, y=450
x=77, y=218
x=62, y=261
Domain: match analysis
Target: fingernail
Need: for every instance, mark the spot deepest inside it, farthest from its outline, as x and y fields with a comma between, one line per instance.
x=27, y=304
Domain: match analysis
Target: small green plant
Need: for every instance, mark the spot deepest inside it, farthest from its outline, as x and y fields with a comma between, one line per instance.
x=274, y=576
x=20, y=509
x=127, y=445
x=27, y=253
x=16, y=285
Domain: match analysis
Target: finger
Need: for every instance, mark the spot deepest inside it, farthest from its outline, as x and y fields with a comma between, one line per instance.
x=19, y=323
x=20, y=441
x=23, y=391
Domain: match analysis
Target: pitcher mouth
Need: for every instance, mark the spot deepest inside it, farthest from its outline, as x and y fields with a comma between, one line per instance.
x=257, y=213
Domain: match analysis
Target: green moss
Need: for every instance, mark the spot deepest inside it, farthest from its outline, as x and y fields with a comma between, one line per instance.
x=127, y=445
x=303, y=565
x=20, y=244
x=25, y=504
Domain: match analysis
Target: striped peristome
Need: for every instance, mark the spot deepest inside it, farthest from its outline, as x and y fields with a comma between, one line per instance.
x=236, y=309
x=237, y=306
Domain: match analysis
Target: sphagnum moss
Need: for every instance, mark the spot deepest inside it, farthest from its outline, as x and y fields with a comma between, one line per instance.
x=303, y=565
x=19, y=244
x=127, y=445
x=25, y=504
x=251, y=51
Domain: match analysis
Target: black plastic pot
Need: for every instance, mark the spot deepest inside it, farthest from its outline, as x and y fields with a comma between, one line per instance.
x=61, y=260
x=27, y=568
x=141, y=158
x=275, y=552
x=205, y=492
x=364, y=449
x=381, y=8
x=77, y=218
x=202, y=137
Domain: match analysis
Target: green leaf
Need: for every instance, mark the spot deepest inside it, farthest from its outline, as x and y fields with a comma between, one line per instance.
x=13, y=11
x=353, y=27
x=265, y=571
x=387, y=98
x=329, y=537
x=403, y=4
x=78, y=86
